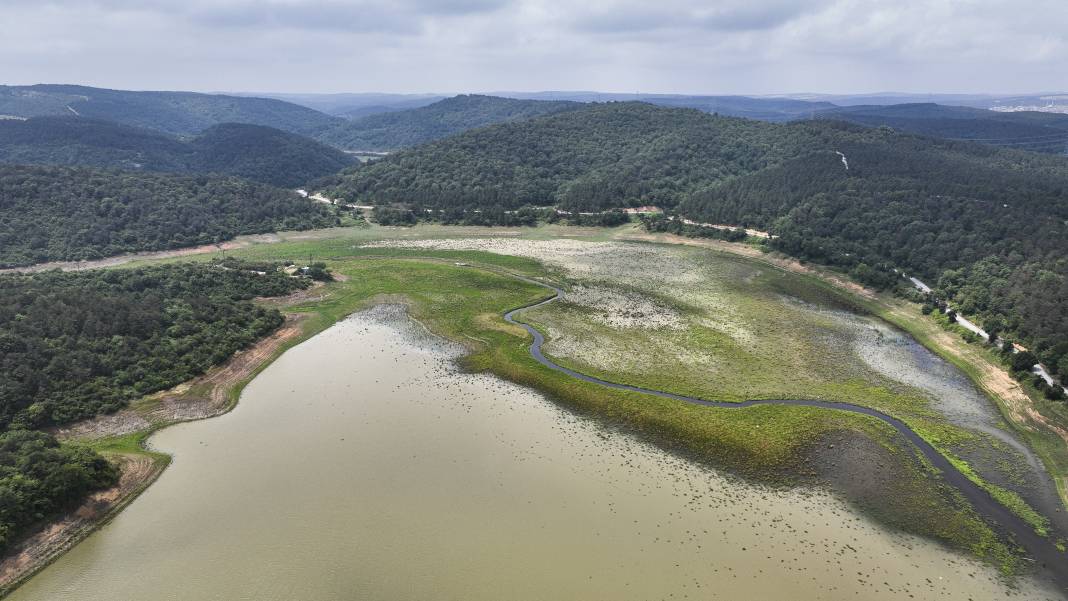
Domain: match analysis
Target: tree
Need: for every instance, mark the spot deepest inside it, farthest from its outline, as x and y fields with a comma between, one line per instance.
x=1024, y=361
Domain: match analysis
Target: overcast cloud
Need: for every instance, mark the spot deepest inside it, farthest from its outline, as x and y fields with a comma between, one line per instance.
x=688, y=46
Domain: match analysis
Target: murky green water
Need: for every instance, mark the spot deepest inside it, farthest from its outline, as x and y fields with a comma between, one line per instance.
x=360, y=465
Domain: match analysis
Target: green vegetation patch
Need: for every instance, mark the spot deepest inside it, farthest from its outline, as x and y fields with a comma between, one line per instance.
x=78, y=344
x=63, y=213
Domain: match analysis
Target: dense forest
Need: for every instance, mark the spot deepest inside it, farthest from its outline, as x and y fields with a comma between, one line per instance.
x=401, y=129
x=77, y=344
x=989, y=227
x=255, y=152
x=1039, y=132
x=599, y=156
x=867, y=200
x=265, y=155
x=766, y=108
x=181, y=113
x=73, y=345
x=39, y=478
x=63, y=213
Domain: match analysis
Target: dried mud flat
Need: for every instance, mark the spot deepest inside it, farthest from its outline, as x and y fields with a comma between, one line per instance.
x=36, y=552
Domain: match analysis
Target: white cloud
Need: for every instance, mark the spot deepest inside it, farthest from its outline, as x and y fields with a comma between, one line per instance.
x=720, y=46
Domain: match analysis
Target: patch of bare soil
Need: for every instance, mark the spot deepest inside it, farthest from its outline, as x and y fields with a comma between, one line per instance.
x=206, y=396
x=752, y=253
x=121, y=259
x=41, y=548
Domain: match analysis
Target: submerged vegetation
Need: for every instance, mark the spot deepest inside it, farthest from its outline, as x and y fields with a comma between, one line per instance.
x=773, y=444
x=681, y=319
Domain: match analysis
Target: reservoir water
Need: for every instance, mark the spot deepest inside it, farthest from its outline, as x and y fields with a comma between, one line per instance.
x=363, y=465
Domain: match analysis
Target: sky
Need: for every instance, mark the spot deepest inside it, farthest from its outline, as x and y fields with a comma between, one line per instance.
x=452, y=46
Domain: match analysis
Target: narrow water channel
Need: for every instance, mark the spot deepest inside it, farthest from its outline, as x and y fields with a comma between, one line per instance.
x=362, y=465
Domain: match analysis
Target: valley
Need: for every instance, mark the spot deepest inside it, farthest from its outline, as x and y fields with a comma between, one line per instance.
x=530, y=345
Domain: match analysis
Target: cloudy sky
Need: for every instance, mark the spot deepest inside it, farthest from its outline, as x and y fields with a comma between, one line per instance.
x=689, y=46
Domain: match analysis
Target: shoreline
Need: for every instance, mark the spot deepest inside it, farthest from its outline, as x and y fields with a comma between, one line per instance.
x=1007, y=395
x=1041, y=548
x=226, y=393
x=213, y=394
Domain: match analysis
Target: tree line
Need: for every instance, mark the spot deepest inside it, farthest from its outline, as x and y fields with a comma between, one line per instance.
x=77, y=344
x=988, y=225
x=65, y=213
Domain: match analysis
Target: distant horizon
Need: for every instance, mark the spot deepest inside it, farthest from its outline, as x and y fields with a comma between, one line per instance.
x=503, y=92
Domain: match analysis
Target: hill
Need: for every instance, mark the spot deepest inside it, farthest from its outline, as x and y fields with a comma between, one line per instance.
x=774, y=109
x=256, y=152
x=265, y=154
x=179, y=113
x=401, y=129
x=598, y=156
x=351, y=106
x=64, y=213
x=1041, y=132
x=989, y=225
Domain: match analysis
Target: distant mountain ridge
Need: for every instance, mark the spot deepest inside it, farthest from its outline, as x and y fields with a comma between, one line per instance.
x=255, y=152
x=774, y=109
x=387, y=122
x=178, y=113
x=1040, y=132
x=401, y=129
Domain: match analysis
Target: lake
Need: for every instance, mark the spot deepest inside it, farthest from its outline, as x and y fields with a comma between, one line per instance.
x=363, y=465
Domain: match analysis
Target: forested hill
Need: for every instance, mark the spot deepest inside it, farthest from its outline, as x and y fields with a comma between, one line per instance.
x=988, y=227
x=257, y=152
x=597, y=156
x=991, y=223
x=1039, y=132
x=183, y=113
x=265, y=154
x=62, y=213
x=401, y=129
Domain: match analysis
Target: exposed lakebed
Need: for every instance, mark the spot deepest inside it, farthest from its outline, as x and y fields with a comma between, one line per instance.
x=363, y=465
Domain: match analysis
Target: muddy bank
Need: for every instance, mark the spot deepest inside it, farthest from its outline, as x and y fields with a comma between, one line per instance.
x=204, y=397
x=37, y=551
x=446, y=484
x=1050, y=560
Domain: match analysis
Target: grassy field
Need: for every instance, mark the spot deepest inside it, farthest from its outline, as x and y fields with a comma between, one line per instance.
x=682, y=319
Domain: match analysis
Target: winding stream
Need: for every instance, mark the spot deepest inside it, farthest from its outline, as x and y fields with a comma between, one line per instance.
x=364, y=465
x=1041, y=549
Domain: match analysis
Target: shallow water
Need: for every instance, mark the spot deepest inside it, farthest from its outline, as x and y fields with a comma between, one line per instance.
x=361, y=465
x=899, y=357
